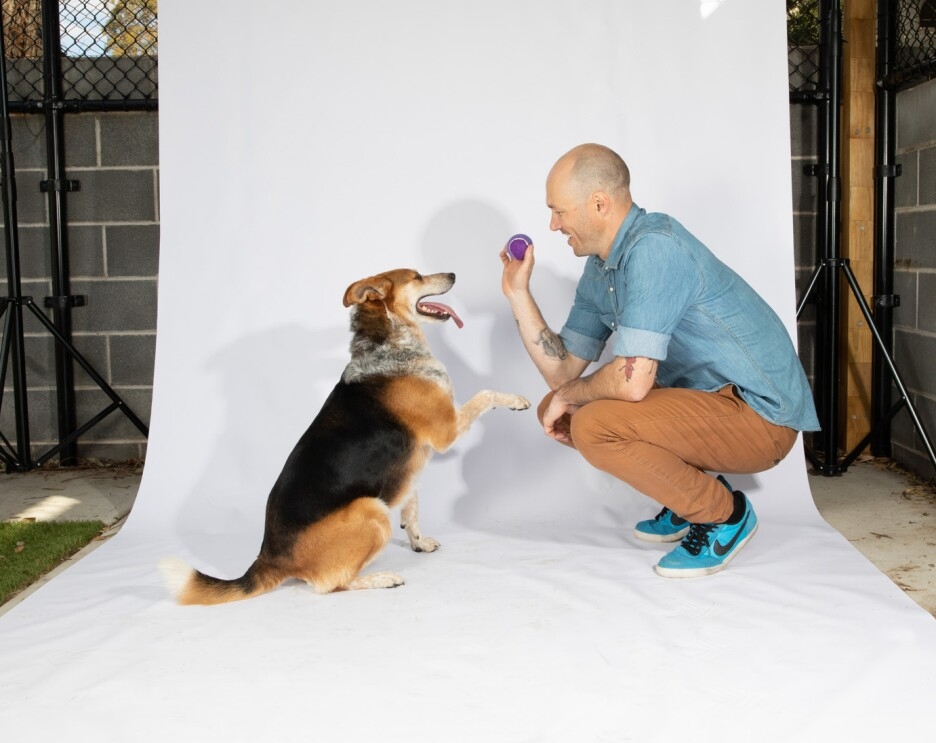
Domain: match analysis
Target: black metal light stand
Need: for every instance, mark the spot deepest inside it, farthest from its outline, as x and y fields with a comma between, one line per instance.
x=885, y=142
x=830, y=264
x=18, y=458
x=12, y=309
x=57, y=187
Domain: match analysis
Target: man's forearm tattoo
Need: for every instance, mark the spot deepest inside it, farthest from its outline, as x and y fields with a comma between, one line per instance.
x=552, y=344
x=629, y=367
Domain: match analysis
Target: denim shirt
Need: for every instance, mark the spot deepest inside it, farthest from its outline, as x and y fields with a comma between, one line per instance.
x=665, y=296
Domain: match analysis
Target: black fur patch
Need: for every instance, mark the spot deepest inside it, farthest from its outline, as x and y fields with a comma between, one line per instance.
x=355, y=447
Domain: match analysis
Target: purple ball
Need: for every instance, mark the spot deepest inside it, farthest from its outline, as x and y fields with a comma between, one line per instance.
x=517, y=245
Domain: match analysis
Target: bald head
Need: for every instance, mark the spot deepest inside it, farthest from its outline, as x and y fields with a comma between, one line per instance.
x=594, y=167
x=588, y=193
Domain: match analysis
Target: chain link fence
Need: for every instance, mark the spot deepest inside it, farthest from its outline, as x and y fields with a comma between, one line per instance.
x=108, y=51
x=915, y=37
x=803, y=47
x=914, y=41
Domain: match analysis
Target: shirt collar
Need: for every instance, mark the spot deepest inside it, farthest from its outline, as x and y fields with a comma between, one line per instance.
x=617, y=247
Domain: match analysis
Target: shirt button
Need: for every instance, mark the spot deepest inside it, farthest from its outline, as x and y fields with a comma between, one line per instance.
x=610, y=288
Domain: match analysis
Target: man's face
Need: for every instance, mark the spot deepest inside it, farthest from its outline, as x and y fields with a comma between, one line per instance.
x=570, y=215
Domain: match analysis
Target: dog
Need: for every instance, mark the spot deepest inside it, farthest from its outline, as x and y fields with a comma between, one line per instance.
x=328, y=513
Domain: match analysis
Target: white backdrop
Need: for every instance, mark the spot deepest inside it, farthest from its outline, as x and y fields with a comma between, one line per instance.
x=306, y=145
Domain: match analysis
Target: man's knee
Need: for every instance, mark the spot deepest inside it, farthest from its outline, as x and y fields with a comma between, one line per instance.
x=589, y=428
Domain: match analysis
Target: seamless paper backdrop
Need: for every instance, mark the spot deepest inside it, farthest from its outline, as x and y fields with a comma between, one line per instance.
x=306, y=145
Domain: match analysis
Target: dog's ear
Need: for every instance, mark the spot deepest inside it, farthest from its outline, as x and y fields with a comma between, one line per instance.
x=367, y=290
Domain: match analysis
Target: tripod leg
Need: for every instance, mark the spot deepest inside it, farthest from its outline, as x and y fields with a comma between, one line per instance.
x=83, y=363
x=809, y=288
x=866, y=311
x=7, y=452
x=4, y=351
x=826, y=374
x=20, y=460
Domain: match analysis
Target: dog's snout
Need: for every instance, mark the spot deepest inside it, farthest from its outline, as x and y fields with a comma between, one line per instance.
x=451, y=277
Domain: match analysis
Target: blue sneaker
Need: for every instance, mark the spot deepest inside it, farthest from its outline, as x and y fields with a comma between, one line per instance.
x=709, y=547
x=666, y=526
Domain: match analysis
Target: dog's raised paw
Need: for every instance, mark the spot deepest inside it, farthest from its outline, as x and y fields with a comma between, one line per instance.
x=520, y=403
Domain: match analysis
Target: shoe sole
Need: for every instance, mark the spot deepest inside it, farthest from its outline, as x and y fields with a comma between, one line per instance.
x=702, y=572
x=658, y=538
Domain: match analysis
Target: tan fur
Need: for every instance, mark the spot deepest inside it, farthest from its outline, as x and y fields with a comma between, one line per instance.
x=427, y=408
x=331, y=553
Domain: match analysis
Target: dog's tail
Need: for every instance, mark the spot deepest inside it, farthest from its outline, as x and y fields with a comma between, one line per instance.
x=190, y=586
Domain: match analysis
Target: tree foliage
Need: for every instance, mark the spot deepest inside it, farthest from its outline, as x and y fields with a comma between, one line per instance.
x=131, y=28
x=22, y=29
x=803, y=22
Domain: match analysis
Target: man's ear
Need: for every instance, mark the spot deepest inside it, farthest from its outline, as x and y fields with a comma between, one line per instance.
x=367, y=290
x=601, y=202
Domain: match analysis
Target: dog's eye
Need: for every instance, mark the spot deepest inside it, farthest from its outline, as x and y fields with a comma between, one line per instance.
x=418, y=277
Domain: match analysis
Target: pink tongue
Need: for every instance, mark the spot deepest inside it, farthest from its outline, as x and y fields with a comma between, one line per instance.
x=446, y=309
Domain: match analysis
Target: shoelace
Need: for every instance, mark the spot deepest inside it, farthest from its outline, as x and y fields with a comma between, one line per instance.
x=697, y=538
x=661, y=514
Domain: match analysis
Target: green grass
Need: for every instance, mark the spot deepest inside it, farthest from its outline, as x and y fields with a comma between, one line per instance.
x=30, y=549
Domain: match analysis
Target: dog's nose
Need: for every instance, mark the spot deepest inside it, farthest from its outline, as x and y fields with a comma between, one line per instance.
x=452, y=276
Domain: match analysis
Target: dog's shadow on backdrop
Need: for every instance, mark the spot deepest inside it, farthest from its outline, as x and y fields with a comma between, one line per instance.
x=272, y=384
x=515, y=480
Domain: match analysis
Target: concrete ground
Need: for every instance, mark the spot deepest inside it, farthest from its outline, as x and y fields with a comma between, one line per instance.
x=889, y=516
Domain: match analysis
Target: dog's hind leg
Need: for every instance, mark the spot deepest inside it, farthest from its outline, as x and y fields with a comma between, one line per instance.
x=484, y=401
x=409, y=520
x=331, y=553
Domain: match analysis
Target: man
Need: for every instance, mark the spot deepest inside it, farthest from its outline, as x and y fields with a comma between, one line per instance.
x=704, y=375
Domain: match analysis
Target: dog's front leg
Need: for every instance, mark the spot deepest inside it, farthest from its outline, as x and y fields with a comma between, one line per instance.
x=484, y=401
x=409, y=520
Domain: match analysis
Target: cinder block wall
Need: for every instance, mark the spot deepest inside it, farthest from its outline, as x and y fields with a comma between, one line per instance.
x=113, y=232
x=915, y=272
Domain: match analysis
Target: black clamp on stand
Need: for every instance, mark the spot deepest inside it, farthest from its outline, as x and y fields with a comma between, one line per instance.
x=51, y=185
x=60, y=303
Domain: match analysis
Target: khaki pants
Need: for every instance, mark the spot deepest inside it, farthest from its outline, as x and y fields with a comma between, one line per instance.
x=661, y=445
